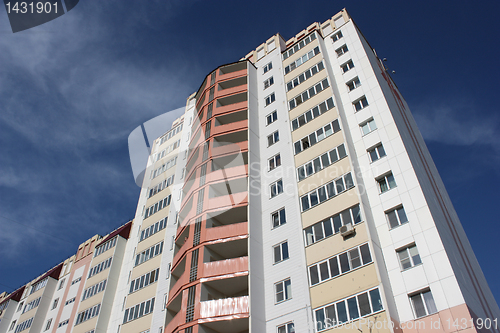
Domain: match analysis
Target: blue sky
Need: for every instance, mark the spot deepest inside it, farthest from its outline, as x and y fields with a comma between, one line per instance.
x=72, y=90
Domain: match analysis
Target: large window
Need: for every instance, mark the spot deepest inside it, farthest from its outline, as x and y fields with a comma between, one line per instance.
x=331, y=225
x=149, y=253
x=316, y=136
x=386, y=182
x=312, y=114
x=409, y=257
x=276, y=188
x=423, y=303
x=144, y=280
x=348, y=309
x=278, y=218
x=24, y=325
x=302, y=60
x=31, y=305
x=396, y=216
x=153, y=229
x=104, y=247
x=325, y=192
x=321, y=162
x=283, y=290
x=339, y=264
x=280, y=252
x=93, y=290
x=157, y=206
x=100, y=267
x=306, y=94
x=305, y=75
x=88, y=314
x=139, y=310
x=299, y=45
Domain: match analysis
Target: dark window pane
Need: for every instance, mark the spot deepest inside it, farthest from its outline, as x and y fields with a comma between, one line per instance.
x=402, y=215
x=353, y=308
x=393, y=220
x=305, y=202
x=327, y=224
x=320, y=320
x=334, y=267
x=337, y=223
x=333, y=155
x=365, y=254
x=317, y=165
x=318, y=231
x=336, y=126
x=312, y=139
x=339, y=185
x=298, y=147
x=330, y=314
x=325, y=160
x=346, y=217
x=284, y=249
x=315, y=111
x=330, y=187
x=376, y=301
x=323, y=269
x=342, y=312
x=313, y=272
x=314, y=198
x=309, y=116
x=418, y=305
x=282, y=217
x=355, y=258
x=309, y=236
x=356, y=214
x=277, y=254
x=322, y=194
x=364, y=304
x=344, y=262
x=348, y=181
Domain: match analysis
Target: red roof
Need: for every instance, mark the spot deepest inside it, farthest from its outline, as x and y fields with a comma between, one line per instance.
x=15, y=296
x=123, y=231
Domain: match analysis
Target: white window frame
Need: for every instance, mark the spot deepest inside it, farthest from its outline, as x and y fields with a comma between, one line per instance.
x=276, y=188
x=371, y=125
x=421, y=295
x=337, y=36
x=342, y=50
x=387, y=179
x=397, y=215
x=379, y=150
x=413, y=258
x=286, y=328
x=276, y=162
x=354, y=82
x=271, y=117
x=360, y=104
x=278, y=214
x=269, y=82
x=286, y=295
x=347, y=66
x=268, y=67
x=280, y=247
x=270, y=99
x=273, y=138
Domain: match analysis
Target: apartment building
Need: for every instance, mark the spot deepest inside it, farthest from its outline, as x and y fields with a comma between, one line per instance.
x=295, y=194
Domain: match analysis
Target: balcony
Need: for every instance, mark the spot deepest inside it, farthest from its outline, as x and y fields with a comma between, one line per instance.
x=224, y=307
x=232, y=70
x=178, y=278
x=223, y=250
x=223, y=267
x=226, y=231
x=227, y=217
x=176, y=315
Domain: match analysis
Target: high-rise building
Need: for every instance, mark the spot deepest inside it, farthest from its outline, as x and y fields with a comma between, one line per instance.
x=295, y=194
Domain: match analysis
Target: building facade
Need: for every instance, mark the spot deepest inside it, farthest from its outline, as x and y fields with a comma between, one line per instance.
x=295, y=194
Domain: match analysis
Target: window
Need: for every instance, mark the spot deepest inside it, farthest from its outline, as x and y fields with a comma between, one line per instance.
x=368, y=126
x=276, y=188
x=100, y=267
x=278, y=218
x=106, y=246
x=24, y=325
x=423, y=303
x=353, y=84
x=95, y=289
x=31, y=305
x=305, y=75
x=309, y=55
x=328, y=191
x=347, y=66
x=305, y=95
x=396, y=216
x=386, y=183
x=139, y=310
x=409, y=257
x=337, y=36
x=321, y=162
x=54, y=305
x=354, y=307
x=12, y=325
x=37, y=286
x=47, y=326
x=376, y=152
x=20, y=306
x=312, y=114
x=360, y=103
x=316, y=136
x=341, y=50
x=268, y=67
x=273, y=138
x=280, y=252
x=287, y=328
x=69, y=301
x=144, y=280
x=331, y=225
x=149, y=253
x=61, y=284
x=269, y=99
x=339, y=264
x=153, y=229
x=76, y=280
x=269, y=82
x=158, y=206
x=163, y=185
x=272, y=117
x=299, y=45
x=283, y=290
x=87, y=314
x=274, y=162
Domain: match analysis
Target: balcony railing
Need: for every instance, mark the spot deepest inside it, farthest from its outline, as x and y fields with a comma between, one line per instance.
x=224, y=307
x=221, y=267
x=226, y=231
